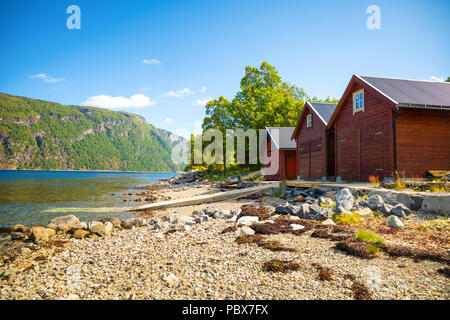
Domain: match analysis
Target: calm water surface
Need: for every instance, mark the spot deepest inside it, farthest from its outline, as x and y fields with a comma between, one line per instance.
x=24, y=195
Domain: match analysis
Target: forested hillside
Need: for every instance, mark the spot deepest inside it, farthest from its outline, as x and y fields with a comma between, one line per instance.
x=36, y=134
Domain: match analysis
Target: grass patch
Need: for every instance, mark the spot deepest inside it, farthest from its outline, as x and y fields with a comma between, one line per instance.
x=373, y=249
x=365, y=235
x=439, y=224
x=348, y=218
x=328, y=205
x=276, y=265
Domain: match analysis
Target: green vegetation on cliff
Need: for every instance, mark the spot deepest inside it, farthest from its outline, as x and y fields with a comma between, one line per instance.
x=36, y=134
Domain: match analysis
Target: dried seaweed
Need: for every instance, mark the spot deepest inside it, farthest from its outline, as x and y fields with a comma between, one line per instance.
x=444, y=271
x=261, y=241
x=229, y=229
x=355, y=248
x=263, y=213
x=325, y=274
x=284, y=266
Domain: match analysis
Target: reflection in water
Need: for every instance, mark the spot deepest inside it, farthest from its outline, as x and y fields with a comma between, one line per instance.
x=24, y=194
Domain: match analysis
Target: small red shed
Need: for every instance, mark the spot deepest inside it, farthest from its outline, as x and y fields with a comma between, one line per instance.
x=280, y=137
x=311, y=139
x=381, y=125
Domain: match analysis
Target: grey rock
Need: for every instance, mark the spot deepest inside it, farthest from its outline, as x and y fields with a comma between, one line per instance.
x=405, y=198
x=304, y=211
x=325, y=200
x=209, y=211
x=245, y=230
x=325, y=214
x=5, y=237
x=400, y=210
x=375, y=202
x=385, y=208
x=289, y=209
x=315, y=209
x=17, y=235
x=134, y=222
x=394, y=222
x=64, y=223
x=328, y=222
x=184, y=220
x=345, y=199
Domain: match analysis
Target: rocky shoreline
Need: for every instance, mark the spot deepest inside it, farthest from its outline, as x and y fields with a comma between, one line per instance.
x=256, y=247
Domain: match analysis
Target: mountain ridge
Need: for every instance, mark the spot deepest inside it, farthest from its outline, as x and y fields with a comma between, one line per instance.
x=38, y=134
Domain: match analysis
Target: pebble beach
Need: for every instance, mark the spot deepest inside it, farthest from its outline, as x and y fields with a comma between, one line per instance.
x=169, y=258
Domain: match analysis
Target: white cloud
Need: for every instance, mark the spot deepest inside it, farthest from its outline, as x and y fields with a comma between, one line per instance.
x=46, y=78
x=168, y=120
x=151, y=61
x=178, y=93
x=202, y=102
x=144, y=88
x=202, y=89
x=104, y=101
x=434, y=78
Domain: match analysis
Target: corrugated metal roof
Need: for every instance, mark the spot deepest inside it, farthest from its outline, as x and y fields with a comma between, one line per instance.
x=419, y=93
x=325, y=110
x=285, y=134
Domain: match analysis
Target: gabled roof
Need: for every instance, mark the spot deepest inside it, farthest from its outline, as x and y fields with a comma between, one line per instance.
x=417, y=93
x=401, y=93
x=323, y=110
x=284, y=142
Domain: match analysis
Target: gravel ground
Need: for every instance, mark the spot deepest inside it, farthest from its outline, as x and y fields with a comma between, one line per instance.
x=203, y=264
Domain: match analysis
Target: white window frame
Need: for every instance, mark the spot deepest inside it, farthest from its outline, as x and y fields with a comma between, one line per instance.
x=309, y=121
x=355, y=95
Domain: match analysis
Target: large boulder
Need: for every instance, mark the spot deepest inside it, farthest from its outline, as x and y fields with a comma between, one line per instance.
x=80, y=234
x=134, y=222
x=394, y=222
x=375, y=202
x=385, y=208
x=99, y=229
x=64, y=223
x=400, y=210
x=345, y=199
x=42, y=235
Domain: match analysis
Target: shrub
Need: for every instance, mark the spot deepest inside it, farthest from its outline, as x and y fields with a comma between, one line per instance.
x=437, y=188
x=364, y=235
x=399, y=180
x=348, y=218
x=373, y=249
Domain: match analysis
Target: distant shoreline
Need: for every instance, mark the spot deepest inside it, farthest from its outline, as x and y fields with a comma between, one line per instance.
x=112, y=171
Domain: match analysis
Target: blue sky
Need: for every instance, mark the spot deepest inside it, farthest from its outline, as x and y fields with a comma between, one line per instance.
x=163, y=59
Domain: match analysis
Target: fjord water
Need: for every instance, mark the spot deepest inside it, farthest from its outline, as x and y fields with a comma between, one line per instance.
x=25, y=195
